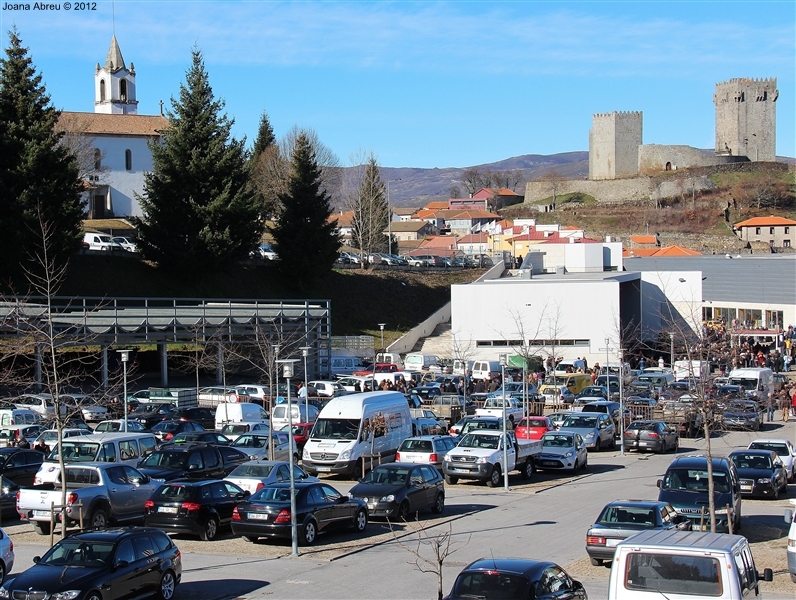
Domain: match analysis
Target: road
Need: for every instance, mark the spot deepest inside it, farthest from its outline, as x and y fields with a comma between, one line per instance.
x=545, y=518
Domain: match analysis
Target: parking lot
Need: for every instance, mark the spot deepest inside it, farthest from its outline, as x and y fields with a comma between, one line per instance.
x=546, y=517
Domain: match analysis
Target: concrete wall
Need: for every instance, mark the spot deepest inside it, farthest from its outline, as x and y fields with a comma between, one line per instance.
x=746, y=118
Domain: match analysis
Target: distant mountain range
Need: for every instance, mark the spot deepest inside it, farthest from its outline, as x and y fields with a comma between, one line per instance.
x=419, y=186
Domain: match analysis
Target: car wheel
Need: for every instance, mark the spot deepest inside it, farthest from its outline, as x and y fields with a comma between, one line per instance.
x=250, y=538
x=210, y=530
x=358, y=471
x=167, y=586
x=308, y=533
x=93, y=596
x=361, y=520
x=613, y=443
x=41, y=527
x=99, y=520
x=296, y=458
x=403, y=511
x=439, y=504
x=451, y=480
x=596, y=562
x=585, y=462
x=2, y=571
x=494, y=477
x=527, y=469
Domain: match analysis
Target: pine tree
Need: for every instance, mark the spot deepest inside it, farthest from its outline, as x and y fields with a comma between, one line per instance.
x=265, y=137
x=305, y=237
x=199, y=213
x=38, y=176
x=371, y=213
x=267, y=168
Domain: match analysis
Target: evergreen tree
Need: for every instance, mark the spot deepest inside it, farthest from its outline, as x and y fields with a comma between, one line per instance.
x=267, y=168
x=265, y=137
x=369, y=203
x=199, y=212
x=305, y=237
x=38, y=176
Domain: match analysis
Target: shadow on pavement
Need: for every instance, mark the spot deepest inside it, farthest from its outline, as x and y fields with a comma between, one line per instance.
x=226, y=588
x=763, y=528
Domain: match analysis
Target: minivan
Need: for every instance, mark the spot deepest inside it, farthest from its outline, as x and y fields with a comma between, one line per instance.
x=299, y=413
x=575, y=382
x=126, y=448
x=685, y=487
x=668, y=563
x=485, y=369
x=235, y=412
x=100, y=241
x=18, y=416
x=420, y=362
x=344, y=365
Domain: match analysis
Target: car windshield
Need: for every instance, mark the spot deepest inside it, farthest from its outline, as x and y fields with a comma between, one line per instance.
x=273, y=494
x=76, y=452
x=473, y=425
x=491, y=585
x=251, y=470
x=251, y=441
x=780, y=449
x=533, y=423
x=166, y=426
x=164, y=459
x=557, y=441
x=580, y=422
x=628, y=515
x=331, y=429
x=379, y=476
x=695, y=480
x=73, y=552
x=176, y=492
x=751, y=461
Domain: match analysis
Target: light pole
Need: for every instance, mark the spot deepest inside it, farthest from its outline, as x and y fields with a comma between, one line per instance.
x=389, y=217
x=671, y=349
x=125, y=356
x=503, y=361
x=607, y=348
x=381, y=328
x=287, y=371
x=305, y=350
x=621, y=402
x=275, y=374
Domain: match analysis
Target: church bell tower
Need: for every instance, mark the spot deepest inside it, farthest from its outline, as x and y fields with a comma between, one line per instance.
x=114, y=85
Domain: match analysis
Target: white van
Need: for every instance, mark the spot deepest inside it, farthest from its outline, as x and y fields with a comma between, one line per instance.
x=128, y=448
x=691, y=369
x=18, y=416
x=345, y=365
x=100, y=241
x=684, y=564
x=419, y=362
x=390, y=358
x=659, y=380
x=237, y=412
x=486, y=369
x=371, y=424
x=298, y=413
x=757, y=382
x=790, y=517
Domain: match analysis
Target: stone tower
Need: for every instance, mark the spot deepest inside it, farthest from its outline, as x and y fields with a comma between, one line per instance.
x=746, y=118
x=114, y=85
x=614, y=139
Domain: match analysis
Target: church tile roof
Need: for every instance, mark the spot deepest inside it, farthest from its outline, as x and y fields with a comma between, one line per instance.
x=106, y=124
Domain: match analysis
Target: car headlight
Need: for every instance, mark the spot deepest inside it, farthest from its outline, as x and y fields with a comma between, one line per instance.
x=482, y=460
x=569, y=455
x=70, y=595
x=590, y=436
x=4, y=593
x=305, y=454
x=764, y=480
x=447, y=458
x=345, y=455
x=387, y=498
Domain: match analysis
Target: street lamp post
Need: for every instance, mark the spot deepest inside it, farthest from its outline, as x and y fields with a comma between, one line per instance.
x=607, y=348
x=621, y=402
x=503, y=361
x=671, y=349
x=389, y=217
x=125, y=356
x=381, y=328
x=287, y=371
x=305, y=350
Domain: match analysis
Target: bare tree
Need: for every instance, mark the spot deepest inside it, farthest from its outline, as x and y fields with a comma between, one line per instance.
x=439, y=546
x=553, y=180
x=463, y=351
x=510, y=179
x=473, y=179
x=365, y=196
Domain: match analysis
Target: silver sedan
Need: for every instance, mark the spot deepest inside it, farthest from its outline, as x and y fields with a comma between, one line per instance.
x=562, y=450
x=597, y=429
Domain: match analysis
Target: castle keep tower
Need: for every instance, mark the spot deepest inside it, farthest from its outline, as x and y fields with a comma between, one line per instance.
x=614, y=139
x=114, y=85
x=746, y=118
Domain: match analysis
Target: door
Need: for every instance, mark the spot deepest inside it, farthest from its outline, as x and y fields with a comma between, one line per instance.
x=124, y=580
x=140, y=492
x=339, y=511
x=320, y=503
x=225, y=497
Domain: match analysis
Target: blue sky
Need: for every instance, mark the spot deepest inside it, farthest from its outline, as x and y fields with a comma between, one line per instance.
x=449, y=84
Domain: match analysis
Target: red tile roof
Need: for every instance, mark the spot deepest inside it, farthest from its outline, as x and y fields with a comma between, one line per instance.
x=103, y=124
x=771, y=221
x=440, y=242
x=658, y=252
x=473, y=238
x=643, y=239
x=489, y=192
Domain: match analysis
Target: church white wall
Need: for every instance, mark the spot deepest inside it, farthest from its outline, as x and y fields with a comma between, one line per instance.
x=505, y=309
x=124, y=184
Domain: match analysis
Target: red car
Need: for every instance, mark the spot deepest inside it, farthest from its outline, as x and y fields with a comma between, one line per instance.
x=379, y=368
x=301, y=433
x=533, y=428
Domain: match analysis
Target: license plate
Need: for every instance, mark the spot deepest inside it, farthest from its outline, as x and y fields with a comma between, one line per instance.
x=258, y=516
x=746, y=488
x=41, y=513
x=460, y=470
x=609, y=543
x=548, y=463
x=323, y=469
x=371, y=506
x=167, y=509
x=642, y=443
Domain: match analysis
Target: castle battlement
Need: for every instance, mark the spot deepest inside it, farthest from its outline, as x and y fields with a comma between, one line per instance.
x=633, y=113
x=747, y=80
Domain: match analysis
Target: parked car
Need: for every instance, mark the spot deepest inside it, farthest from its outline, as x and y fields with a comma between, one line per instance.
x=652, y=436
x=743, y=415
x=102, y=565
x=620, y=519
x=205, y=416
x=495, y=423
x=562, y=450
x=533, y=428
x=515, y=579
x=20, y=466
x=151, y=413
x=761, y=473
x=6, y=555
x=254, y=475
x=425, y=449
x=255, y=445
x=197, y=507
x=126, y=243
x=91, y=411
x=319, y=507
x=118, y=425
x=456, y=429
x=191, y=461
x=420, y=261
x=166, y=430
x=399, y=490
x=557, y=418
x=593, y=391
x=236, y=429
x=784, y=449
x=301, y=433
x=15, y=434
x=597, y=429
x=198, y=437
x=327, y=389
x=100, y=241
x=558, y=394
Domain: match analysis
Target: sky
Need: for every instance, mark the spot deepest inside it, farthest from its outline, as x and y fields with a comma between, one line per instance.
x=429, y=84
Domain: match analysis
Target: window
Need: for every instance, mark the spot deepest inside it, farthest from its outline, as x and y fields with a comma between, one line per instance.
x=786, y=243
x=787, y=230
x=123, y=90
x=128, y=160
x=102, y=90
x=97, y=159
x=128, y=450
x=672, y=574
x=771, y=230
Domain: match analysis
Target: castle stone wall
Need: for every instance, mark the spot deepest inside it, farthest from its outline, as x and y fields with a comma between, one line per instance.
x=610, y=190
x=654, y=158
x=613, y=145
x=746, y=118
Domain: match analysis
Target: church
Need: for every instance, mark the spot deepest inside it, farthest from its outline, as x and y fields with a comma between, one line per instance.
x=112, y=142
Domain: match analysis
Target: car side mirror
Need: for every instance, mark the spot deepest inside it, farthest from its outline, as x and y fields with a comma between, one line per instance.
x=36, y=559
x=789, y=516
x=121, y=564
x=193, y=467
x=768, y=575
x=659, y=483
x=577, y=585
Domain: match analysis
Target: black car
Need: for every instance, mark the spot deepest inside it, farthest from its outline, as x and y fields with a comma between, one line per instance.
x=319, y=507
x=197, y=507
x=151, y=413
x=102, y=565
x=651, y=436
x=761, y=473
x=398, y=490
x=20, y=465
x=167, y=429
x=206, y=417
x=198, y=437
x=593, y=391
x=743, y=414
x=515, y=579
x=191, y=461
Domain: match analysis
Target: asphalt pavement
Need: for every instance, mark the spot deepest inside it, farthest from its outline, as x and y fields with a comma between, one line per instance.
x=545, y=518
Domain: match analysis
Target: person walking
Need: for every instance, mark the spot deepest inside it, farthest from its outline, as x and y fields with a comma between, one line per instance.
x=784, y=405
x=770, y=406
x=792, y=401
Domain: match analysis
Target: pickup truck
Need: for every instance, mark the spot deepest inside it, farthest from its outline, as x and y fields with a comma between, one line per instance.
x=451, y=407
x=498, y=406
x=479, y=456
x=107, y=491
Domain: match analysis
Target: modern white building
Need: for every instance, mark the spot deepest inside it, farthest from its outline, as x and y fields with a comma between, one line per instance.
x=114, y=138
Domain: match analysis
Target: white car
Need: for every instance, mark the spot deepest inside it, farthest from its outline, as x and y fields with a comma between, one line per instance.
x=254, y=475
x=99, y=241
x=327, y=389
x=6, y=555
x=117, y=425
x=126, y=243
x=89, y=408
x=255, y=445
x=784, y=449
